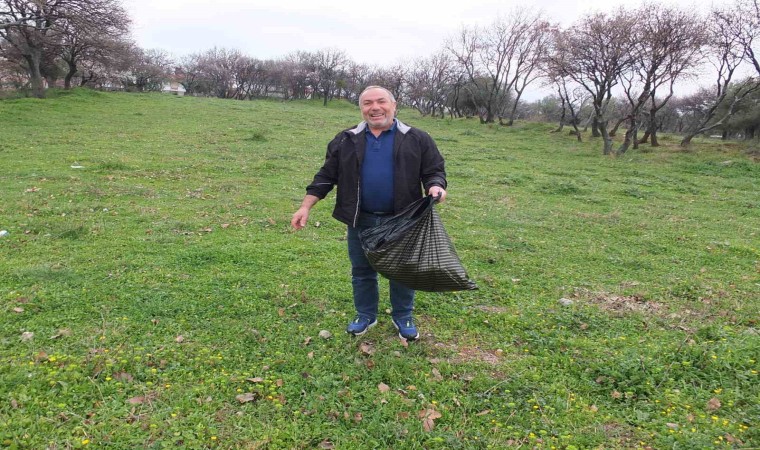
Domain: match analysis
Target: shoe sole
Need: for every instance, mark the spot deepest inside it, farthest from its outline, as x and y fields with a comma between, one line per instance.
x=402, y=337
x=365, y=330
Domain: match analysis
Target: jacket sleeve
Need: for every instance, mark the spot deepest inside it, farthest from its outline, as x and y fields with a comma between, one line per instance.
x=327, y=176
x=433, y=172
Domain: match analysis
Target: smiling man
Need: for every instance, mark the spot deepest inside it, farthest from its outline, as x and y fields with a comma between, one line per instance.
x=379, y=167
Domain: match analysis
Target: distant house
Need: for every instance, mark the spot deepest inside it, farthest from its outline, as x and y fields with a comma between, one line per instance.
x=174, y=87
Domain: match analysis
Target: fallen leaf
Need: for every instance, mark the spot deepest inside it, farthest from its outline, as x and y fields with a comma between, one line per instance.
x=307, y=341
x=18, y=310
x=281, y=312
x=14, y=403
x=225, y=225
x=63, y=332
x=370, y=364
x=732, y=439
x=136, y=400
x=180, y=339
x=404, y=343
x=279, y=382
x=325, y=444
x=271, y=221
x=27, y=336
x=672, y=425
x=22, y=300
x=383, y=387
x=428, y=417
x=367, y=348
x=310, y=355
x=403, y=415
x=484, y=412
x=123, y=376
x=324, y=334
x=714, y=404
x=593, y=408
x=41, y=356
x=437, y=375
x=616, y=394
x=255, y=380
x=245, y=398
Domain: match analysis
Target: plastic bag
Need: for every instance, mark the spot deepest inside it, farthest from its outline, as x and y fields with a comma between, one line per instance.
x=414, y=249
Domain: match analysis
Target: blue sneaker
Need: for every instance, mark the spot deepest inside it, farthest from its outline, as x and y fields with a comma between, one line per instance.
x=406, y=328
x=360, y=325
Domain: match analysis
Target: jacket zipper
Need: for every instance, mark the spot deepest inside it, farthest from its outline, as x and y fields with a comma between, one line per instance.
x=358, y=199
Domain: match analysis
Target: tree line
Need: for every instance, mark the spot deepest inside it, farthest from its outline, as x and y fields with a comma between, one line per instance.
x=609, y=70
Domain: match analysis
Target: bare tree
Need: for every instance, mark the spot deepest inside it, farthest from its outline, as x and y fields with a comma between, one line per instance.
x=81, y=39
x=392, y=78
x=328, y=65
x=499, y=59
x=555, y=66
x=33, y=27
x=429, y=84
x=531, y=49
x=149, y=70
x=668, y=43
x=728, y=45
x=357, y=77
x=598, y=49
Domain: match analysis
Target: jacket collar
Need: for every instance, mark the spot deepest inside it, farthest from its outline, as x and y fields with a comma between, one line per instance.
x=402, y=127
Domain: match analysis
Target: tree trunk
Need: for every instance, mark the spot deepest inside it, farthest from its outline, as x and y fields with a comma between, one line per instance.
x=577, y=132
x=645, y=138
x=629, y=137
x=617, y=125
x=686, y=141
x=595, y=127
x=602, y=128
x=35, y=76
x=564, y=111
x=653, y=137
x=69, y=75
x=636, y=138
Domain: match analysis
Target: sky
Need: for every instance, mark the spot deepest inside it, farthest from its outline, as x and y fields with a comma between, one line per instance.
x=381, y=33
x=377, y=33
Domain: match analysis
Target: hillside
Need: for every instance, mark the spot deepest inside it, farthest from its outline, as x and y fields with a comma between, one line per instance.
x=150, y=277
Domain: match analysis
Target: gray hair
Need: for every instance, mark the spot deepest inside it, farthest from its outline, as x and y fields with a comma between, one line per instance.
x=393, y=99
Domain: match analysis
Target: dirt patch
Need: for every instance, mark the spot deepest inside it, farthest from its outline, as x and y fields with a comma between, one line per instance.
x=476, y=354
x=621, y=304
x=492, y=309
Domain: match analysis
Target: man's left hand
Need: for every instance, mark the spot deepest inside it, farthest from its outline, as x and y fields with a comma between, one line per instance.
x=437, y=190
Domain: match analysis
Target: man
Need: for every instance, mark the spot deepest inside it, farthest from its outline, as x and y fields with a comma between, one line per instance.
x=380, y=167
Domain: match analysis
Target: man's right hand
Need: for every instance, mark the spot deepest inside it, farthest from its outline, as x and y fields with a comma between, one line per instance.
x=300, y=218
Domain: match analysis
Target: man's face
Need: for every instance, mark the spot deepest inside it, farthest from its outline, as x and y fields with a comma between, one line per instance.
x=378, y=110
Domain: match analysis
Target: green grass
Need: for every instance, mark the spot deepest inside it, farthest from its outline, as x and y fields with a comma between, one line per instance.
x=161, y=280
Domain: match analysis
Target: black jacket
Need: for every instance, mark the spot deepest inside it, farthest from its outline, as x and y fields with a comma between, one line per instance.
x=416, y=160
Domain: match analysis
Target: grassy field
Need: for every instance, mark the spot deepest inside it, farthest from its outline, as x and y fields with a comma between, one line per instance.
x=154, y=296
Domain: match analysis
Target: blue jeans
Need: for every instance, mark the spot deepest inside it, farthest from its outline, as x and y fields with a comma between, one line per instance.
x=364, y=277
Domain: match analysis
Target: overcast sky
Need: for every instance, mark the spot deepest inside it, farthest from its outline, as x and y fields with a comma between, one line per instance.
x=379, y=33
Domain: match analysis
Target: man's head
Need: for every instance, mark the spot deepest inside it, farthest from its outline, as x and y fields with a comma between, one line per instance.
x=378, y=107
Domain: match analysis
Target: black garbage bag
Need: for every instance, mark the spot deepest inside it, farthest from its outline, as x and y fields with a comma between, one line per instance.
x=414, y=249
